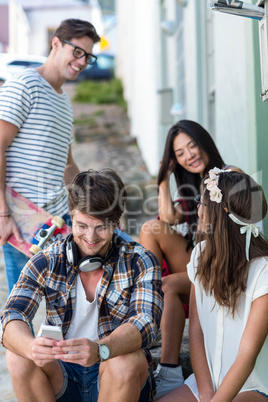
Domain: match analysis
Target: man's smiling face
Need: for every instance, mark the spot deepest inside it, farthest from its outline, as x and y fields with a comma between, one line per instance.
x=67, y=65
x=91, y=235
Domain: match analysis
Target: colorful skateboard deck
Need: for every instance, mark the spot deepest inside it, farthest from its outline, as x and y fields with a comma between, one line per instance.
x=34, y=223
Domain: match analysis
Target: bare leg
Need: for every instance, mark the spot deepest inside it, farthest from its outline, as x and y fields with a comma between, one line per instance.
x=176, y=288
x=249, y=396
x=32, y=383
x=164, y=242
x=122, y=378
x=182, y=394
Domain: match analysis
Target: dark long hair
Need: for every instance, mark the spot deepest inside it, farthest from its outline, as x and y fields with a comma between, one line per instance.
x=189, y=183
x=223, y=267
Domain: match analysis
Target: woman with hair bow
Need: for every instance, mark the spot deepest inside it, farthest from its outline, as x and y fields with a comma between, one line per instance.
x=229, y=295
x=189, y=154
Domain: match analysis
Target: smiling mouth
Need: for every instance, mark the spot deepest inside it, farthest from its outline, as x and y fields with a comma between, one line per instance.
x=91, y=244
x=75, y=68
x=196, y=162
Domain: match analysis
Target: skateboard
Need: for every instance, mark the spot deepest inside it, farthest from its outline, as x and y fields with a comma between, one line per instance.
x=37, y=226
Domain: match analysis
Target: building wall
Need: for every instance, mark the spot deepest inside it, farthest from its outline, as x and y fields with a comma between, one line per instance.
x=258, y=120
x=3, y=27
x=19, y=29
x=232, y=134
x=30, y=27
x=47, y=20
x=138, y=61
x=222, y=80
x=216, y=74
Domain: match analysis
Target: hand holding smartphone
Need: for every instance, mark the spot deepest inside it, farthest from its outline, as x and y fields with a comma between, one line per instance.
x=52, y=332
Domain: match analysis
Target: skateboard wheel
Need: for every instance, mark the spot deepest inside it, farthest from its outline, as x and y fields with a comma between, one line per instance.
x=34, y=249
x=58, y=221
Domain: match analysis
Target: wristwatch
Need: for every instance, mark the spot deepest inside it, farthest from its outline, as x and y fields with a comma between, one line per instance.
x=103, y=352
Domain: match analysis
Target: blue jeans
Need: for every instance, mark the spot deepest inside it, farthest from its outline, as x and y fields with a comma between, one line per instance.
x=81, y=384
x=15, y=260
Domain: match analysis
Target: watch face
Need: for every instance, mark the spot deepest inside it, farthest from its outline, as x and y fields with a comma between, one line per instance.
x=104, y=352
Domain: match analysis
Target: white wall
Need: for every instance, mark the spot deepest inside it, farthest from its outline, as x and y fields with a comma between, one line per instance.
x=19, y=30
x=138, y=64
x=231, y=89
x=191, y=62
x=29, y=28
x=230, y=75
x=40, y=22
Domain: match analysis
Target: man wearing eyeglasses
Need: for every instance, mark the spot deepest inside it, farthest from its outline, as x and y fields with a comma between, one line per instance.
x=36, y=120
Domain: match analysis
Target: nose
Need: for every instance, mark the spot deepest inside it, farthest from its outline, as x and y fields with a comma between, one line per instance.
x=91, y=234
x=82, y=61
x=189, y=153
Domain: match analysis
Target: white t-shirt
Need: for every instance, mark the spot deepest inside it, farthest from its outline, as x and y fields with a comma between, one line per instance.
x=84, y=322
x=36, y=158
x=222, y=332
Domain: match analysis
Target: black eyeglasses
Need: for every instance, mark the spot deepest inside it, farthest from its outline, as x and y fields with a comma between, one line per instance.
x=79, y=53
x=198, y=200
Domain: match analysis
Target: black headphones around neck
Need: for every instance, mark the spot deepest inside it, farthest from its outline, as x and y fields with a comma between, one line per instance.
x=88, y=263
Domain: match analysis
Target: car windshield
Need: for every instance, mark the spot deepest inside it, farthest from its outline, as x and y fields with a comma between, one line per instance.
x=105, y=62
x=23, y=63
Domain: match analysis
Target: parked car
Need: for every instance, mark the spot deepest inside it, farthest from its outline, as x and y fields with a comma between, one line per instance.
x=13, y=64
x=103, y=69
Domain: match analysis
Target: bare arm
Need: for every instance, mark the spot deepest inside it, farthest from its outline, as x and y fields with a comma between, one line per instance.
x=8, y=132
x=167, y=211
x=71, y=168
x=197, y=352
x=251, y=343
x=18, y=338
x=124, y=339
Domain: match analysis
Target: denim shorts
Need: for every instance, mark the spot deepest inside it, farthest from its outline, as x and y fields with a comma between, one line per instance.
x=81, y=384
x=262, y=393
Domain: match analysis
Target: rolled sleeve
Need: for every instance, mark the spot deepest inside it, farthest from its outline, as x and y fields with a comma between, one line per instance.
x=24, y=299
x=8, y=316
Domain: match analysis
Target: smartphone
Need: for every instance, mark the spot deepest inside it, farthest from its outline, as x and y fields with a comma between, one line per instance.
x=52, y=332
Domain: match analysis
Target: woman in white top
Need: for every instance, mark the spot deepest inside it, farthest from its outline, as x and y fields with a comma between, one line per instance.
x=229, y=295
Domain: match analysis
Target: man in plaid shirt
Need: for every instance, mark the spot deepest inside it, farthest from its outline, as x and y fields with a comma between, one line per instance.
x=105, y=295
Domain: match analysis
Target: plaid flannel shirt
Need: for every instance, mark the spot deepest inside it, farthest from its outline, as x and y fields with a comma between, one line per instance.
x=130, y=291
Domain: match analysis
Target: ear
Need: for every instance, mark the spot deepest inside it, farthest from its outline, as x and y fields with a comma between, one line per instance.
x=55, y=43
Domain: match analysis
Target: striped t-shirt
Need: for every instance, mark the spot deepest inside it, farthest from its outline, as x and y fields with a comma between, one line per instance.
x=37, y=157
